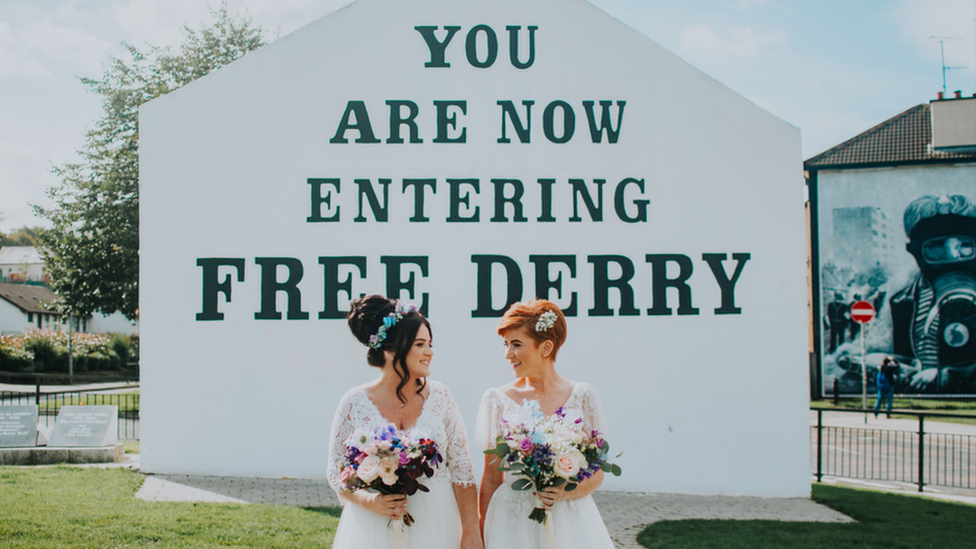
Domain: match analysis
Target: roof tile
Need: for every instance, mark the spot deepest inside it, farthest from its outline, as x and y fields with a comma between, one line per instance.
x=902, y=139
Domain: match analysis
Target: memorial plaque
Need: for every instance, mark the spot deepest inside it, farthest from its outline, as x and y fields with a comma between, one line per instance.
x=85, y=426
x=18, y=426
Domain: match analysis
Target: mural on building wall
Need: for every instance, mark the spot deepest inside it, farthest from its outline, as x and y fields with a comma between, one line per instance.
x=914, y=258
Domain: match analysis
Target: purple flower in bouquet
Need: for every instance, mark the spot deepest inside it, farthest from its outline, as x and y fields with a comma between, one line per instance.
x=547, y=451
x=389, y=463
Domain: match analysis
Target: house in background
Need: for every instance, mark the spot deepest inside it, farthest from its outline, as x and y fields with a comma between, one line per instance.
x=21, y=264
x=893, y=222
x=27, y=306
x=25, y=299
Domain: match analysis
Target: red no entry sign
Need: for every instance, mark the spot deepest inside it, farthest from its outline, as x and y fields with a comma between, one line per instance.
x=862, y=312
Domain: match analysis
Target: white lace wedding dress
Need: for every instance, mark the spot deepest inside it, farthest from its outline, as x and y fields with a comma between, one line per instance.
x=438, y=523
x=576, y=523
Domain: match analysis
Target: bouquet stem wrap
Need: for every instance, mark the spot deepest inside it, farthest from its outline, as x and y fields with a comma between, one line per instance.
x=539, y=514
x=398, y=531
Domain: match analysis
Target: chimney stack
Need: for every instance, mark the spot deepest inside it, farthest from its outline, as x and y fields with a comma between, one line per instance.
x=954, y=124
x=939, y=96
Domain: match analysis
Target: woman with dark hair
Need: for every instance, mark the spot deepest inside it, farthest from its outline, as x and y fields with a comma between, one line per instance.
x=399, y=341
x=533, y=333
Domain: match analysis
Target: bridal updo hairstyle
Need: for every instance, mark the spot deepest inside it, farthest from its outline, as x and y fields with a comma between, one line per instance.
x=365, y=317
x=527, y=314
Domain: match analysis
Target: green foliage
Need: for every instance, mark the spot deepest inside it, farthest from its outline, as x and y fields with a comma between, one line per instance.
x=24, y=236
x=14, y=357
x=49, y=355
x=126, y=346
x=91, y=250
x=889, y=521
x=69, y=507
x=47, y=352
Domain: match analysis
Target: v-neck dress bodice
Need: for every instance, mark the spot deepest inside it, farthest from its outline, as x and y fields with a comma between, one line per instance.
x=577, y=522
x=438, y=522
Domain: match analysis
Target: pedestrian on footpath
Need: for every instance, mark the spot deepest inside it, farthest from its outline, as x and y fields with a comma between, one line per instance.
x=886, y=384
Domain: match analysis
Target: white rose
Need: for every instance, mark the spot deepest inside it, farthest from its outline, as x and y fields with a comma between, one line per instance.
x=567, y=464
x=369, y=469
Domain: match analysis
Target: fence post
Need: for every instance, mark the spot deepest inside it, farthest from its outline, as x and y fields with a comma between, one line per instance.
x=819, y=444
x=921, y=451
x=37, y=391
x=836, y=392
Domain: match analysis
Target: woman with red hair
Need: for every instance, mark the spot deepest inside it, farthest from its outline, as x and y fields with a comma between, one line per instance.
x=534, y=331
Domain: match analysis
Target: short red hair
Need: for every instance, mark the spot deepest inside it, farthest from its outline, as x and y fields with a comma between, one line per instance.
x=526, y=315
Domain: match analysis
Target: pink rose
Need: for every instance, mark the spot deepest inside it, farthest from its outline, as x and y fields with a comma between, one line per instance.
x=388, y=469
x=369, y=469
x=525, y=445
x=567, y=465
x=346, y=474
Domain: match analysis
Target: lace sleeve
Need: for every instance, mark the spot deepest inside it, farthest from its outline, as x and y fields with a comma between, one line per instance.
x=343, y=426
x=456, y=449
x=593, y=410
x=486, y=426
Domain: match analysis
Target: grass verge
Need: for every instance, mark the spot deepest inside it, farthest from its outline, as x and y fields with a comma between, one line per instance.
x=127, y=402
x=966, y=409
x=70, y=507
x=889, y=521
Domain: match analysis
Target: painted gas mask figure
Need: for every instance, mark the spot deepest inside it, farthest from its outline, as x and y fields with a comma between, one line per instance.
x=934, y=317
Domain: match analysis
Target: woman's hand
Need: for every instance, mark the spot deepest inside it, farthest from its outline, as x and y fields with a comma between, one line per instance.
x=551, y=495
x=393, y=506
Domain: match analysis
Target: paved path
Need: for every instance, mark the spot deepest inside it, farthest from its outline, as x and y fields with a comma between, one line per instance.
x=625, y=513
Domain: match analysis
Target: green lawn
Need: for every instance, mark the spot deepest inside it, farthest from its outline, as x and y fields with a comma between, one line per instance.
x=889, y=521
x=966, y=409
x=69, y=507
x=127, y=402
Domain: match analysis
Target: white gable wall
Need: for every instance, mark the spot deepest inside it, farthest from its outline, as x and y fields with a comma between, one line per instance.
x=701, y=403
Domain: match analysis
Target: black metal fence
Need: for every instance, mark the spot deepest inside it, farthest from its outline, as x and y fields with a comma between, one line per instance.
x=126, y=397
x=915, y=457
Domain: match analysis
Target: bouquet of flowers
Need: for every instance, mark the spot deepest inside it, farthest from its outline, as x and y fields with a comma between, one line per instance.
x=388, y=462
x=549, y=450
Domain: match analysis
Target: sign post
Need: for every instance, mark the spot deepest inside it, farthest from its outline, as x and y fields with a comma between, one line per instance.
x=862, y=312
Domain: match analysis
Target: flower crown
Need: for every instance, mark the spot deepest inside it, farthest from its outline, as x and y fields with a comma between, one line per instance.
x=402, y=309
x=546, y=321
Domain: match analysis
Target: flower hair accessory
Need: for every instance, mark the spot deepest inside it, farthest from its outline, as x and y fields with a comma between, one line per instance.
x=402, y=309
x=546, y=321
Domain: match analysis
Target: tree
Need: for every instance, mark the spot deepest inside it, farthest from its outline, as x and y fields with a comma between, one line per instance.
x=91, y=250
x=24, y=236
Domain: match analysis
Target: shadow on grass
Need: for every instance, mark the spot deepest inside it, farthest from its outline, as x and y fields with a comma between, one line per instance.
x=330, y=511
x=889, y=521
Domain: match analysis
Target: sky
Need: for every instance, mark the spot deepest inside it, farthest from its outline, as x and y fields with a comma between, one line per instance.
x=831, y=68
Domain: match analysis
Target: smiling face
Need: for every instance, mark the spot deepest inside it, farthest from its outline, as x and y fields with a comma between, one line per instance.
x=420, y=354
x=526, y=356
